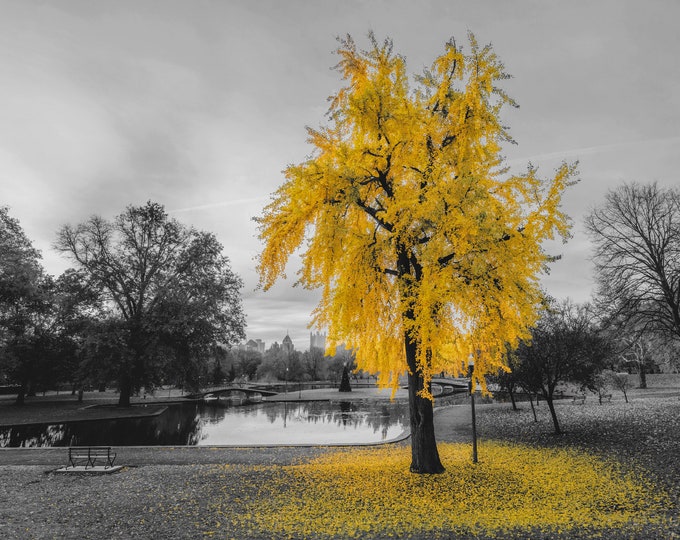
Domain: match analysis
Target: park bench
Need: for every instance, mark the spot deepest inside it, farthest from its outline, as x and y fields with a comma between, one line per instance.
x=89, y=456
x=580, y=399
x=605, y=397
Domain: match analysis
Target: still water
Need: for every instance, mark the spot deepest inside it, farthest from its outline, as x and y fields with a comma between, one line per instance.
x=202, y=424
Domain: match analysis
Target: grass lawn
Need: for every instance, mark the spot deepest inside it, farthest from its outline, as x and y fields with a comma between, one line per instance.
x=613, y=474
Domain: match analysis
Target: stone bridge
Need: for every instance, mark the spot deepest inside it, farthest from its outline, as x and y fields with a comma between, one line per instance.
x=218, y=390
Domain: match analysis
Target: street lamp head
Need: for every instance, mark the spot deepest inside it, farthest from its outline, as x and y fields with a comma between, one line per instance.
x=471, y=365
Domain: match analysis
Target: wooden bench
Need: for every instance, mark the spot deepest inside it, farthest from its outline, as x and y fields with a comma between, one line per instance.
x=607, y=397
x=581, y=399
x=90, y=456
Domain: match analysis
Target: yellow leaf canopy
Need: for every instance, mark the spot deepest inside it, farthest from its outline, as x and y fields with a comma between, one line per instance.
x=413, y=230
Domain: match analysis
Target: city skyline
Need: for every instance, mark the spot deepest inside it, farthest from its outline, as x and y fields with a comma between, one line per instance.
x=314, y=339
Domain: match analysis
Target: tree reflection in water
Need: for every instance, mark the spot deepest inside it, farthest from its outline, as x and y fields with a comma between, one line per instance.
x=221, y=423
x=33, y=435
x=178, y=425
x=376, y=415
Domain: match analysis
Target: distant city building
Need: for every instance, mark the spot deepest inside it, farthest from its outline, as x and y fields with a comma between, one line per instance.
x=287, y=345
x=256, y=345
x=317, y=340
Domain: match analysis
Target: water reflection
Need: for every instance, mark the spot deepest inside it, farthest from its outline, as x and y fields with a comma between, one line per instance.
x=222, y=424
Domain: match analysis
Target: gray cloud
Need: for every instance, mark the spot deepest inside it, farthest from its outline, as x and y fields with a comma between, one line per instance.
x=200, y=105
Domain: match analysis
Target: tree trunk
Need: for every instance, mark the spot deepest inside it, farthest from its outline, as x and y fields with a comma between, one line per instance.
x=512, y=400
x=551, y=406
x=125, y=390
x=21, y=395
x=533, y=409
x=643, y=376
x=424, y=453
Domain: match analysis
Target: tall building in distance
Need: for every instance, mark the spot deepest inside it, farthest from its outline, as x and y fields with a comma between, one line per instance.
x=256, y=345
x=287, y=345
x=317, y=340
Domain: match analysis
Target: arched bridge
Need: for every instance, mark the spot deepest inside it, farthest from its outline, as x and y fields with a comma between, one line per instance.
x=450, y=385
x=216, y=391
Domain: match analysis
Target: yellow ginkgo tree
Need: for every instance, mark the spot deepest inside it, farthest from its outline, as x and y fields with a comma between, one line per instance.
x=425, y=249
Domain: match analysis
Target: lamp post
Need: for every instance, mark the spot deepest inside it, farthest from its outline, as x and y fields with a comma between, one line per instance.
x=471, y=370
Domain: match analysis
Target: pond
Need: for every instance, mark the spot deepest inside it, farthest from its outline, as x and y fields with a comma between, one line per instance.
x=206, y=424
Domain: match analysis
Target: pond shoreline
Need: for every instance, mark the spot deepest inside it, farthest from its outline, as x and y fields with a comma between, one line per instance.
x=56, y=409
x=331, y=421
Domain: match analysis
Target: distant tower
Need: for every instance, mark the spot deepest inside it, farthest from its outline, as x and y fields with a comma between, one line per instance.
x=287, y=345
x=317, y=340
x=253, y=345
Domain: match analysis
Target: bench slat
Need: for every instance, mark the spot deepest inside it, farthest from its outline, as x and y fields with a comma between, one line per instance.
x=91, y=454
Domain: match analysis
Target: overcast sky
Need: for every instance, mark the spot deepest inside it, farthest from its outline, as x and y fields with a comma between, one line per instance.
x=199, y=105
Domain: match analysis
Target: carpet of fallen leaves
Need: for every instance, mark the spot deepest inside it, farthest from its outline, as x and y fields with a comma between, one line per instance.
x=644, y=432
x=613, y=474
x=370, y=493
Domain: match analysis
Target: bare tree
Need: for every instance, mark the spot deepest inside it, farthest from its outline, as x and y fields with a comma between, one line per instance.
x=620, y=381
x=636, y=233
x=669, y=357
x=637, y=350
x=565, y=347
